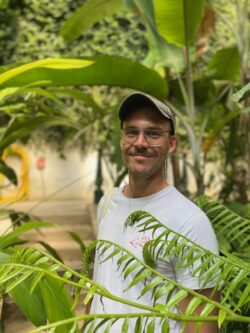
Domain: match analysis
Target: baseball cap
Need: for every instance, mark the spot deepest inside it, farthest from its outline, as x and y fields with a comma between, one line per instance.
x=136, y=100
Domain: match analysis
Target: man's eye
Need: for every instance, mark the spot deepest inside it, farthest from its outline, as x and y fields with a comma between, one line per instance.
x=131, y=132
x=154, y=134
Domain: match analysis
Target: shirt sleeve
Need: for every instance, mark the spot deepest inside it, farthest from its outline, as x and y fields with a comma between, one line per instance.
x=199, y=230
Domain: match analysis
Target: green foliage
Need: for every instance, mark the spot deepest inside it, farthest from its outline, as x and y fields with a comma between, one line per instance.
x=229, y=274
x=177, y=21
x=225, y=65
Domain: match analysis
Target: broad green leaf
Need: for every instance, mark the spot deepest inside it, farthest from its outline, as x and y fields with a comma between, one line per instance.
x=101, y=70
x=242, y=94
x=90, y=12
x=225, y=65
x=161, y=53
x=54, y=64
x=8, y=172
x=178, y=18
x=33, y=309
x=57, y=303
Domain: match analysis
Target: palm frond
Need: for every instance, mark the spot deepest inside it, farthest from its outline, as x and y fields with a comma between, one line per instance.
x=227, y=273
x=229, y=226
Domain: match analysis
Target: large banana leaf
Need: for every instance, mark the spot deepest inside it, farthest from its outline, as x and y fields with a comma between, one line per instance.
x=102, y=70
x=178, y=19
x=88, y=14
x=161, y=53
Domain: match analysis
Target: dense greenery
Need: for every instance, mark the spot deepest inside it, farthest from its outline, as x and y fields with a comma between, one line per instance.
x=169, y=59
x=28, y=273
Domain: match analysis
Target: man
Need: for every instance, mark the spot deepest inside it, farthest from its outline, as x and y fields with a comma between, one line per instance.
x=148, y=136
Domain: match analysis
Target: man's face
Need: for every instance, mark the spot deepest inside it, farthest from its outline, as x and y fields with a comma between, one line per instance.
x=142, y=159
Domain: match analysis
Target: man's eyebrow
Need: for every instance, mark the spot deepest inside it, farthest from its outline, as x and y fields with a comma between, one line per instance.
x=146, y=128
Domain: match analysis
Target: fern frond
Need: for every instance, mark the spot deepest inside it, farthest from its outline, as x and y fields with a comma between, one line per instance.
x=228, y=274
x=150, y=280
x=228, y=225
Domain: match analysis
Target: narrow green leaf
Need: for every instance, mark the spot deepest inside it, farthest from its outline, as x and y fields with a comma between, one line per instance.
x=242, y=94
x=77, y=239
x=89, y=13
x=151, y=326
x=138, y=326
x=221, y=317
x=163, y=291
x=89, y=295
x=175, y=300
x=112, y=254
x=125, y=325
x=123, y=258
x=165, y=327
x=192, y=305
x=36, y=281
x=155, y=282
x=142, y=275
x=131, y=268
x=207, y=309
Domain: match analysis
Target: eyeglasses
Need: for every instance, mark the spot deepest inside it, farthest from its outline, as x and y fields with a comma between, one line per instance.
x=153, y=137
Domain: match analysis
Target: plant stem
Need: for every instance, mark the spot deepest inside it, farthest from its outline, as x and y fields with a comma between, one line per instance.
x=189, y=81
x=174, y=316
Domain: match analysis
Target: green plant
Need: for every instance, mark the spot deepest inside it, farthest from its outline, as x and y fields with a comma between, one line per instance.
x=229, y=273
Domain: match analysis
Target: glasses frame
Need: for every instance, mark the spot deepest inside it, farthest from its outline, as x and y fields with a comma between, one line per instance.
x=133, y=140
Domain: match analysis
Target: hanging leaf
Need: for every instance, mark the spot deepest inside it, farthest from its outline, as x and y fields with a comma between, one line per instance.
x=177, y=19
x=90, y=12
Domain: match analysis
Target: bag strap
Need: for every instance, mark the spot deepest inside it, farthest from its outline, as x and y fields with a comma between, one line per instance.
x=106, y=201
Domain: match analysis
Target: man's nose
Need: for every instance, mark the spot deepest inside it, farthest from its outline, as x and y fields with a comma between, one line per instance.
x=141, y=140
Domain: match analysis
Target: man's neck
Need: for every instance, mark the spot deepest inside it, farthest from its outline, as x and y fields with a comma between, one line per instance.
x=138, y=188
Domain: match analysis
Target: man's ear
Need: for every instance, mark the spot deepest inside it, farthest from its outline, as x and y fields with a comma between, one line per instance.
x=172, y=143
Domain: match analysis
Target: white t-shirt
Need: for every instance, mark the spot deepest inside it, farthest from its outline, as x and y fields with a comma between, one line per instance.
x=172, y=209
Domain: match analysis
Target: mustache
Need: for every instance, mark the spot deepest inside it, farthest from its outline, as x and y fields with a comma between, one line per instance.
x=140, y=153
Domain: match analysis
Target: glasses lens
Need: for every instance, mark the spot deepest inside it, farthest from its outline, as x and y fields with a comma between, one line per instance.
x=152, y=137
